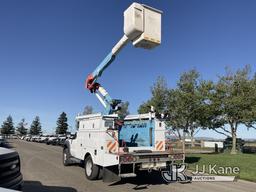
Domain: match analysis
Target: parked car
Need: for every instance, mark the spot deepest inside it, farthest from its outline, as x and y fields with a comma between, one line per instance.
x=52, y=140
x=14, y=137
x=35, y=138
x=43, y=139
x=28, y=138
x=249, y=149
x=10, y=175
x=2, y=141
x=227, y=144
x=61, y=140
x=32, y=138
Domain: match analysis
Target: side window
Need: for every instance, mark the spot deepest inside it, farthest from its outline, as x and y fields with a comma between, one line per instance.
x=77, y=125
x=160, y=124
x=109, y=124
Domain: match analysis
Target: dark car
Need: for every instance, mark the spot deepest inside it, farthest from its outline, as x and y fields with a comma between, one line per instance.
x=52, y=140
x=61, y=141
x=10, y=175
x=227, y=144
x=2, y=142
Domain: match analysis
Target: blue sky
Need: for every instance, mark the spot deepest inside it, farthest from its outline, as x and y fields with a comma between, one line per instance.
x=47, y=48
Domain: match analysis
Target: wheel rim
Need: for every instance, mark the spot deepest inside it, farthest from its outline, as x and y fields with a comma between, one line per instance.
x=64, y=157
x=88, y=167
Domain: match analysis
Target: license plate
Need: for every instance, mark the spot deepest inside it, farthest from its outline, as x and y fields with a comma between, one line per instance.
x=152, y=165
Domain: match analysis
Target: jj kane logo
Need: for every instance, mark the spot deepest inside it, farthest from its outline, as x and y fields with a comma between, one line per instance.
x=176, y=173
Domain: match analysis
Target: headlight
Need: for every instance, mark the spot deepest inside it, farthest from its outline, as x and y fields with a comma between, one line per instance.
x=13, y=166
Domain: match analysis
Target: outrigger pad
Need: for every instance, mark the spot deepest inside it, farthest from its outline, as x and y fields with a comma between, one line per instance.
x=110, y=174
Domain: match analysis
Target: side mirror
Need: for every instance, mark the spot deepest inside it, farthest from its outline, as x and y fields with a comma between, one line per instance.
x=73, y=136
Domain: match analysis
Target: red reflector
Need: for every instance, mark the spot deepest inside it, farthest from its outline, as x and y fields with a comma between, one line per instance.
x=130, y=158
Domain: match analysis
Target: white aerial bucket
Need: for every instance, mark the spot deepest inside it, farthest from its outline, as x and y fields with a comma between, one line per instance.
x=142, y=25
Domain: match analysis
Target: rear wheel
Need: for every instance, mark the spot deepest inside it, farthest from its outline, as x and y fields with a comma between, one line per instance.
x=100, y=176
x=91, y=170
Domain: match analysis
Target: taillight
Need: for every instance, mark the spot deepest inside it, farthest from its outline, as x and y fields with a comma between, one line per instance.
x=122, y=159
x=128, y=158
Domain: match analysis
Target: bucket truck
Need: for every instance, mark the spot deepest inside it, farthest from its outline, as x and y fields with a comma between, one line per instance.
x=111, y=148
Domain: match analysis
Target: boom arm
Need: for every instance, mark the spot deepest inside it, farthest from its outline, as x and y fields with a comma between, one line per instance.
x=142, y=26
x=94, y=87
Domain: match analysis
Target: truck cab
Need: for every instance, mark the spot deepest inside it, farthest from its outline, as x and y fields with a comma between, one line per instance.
x=103, y=145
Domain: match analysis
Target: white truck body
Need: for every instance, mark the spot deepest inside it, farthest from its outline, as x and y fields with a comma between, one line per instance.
x=98, y=137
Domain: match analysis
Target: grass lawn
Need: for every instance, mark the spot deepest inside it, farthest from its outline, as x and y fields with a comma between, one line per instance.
x=245, y=162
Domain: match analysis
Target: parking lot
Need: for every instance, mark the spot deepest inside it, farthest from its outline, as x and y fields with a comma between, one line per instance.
x=42, y=170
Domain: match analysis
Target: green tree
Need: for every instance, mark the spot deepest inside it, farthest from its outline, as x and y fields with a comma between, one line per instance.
x=251, y=117
x=124, y=109
x=88, y=110
x=21, y=129
x=233, y=103
x=145, y=107
x=62, y=125
x=158, y=97
x=7, y=127
x=36, y=128
x=183, y=105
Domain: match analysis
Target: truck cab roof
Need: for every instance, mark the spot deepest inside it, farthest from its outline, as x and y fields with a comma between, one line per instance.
x=128, y=117
x=95, y=115
x=140, y=116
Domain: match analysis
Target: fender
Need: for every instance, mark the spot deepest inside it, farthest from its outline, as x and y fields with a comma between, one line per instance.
x=88, y=153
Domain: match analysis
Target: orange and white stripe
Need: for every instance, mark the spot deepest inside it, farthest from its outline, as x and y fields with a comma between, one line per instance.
x=159, y=145
x=112, y=146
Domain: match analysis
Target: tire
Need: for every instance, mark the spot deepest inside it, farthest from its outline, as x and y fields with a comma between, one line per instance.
x=100, y=176
x=20, y=187
x=91, y=170
x=66, y=157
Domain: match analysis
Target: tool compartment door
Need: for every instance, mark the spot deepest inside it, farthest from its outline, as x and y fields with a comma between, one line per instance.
x=137, y=133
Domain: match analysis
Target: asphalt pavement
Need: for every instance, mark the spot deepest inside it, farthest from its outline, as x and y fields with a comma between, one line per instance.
x=43, y=171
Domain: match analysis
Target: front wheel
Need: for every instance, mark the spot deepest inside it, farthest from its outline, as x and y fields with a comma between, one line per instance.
x=66, y=157
x=91, y=170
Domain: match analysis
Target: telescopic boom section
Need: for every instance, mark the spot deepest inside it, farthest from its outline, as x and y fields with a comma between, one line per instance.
x=94, y=87
x=91, y=83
